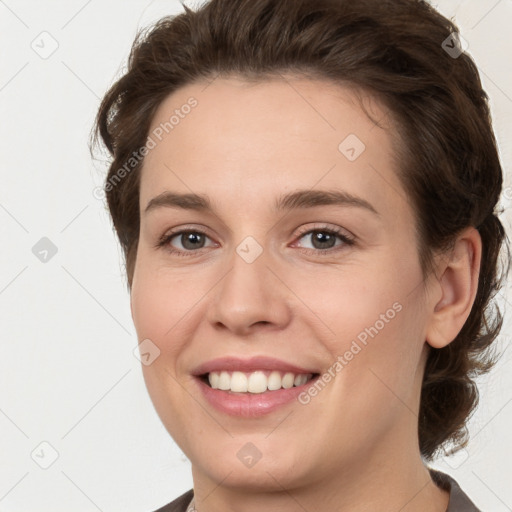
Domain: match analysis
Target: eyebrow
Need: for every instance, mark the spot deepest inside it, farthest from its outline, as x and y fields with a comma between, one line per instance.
x=294, y=200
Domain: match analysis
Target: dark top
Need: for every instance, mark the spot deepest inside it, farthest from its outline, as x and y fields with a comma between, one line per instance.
x=459, y=501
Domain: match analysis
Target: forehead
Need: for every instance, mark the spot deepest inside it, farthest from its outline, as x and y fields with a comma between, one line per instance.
x=258, y=137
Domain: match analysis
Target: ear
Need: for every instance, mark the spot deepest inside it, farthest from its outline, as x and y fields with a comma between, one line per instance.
x=457, y=285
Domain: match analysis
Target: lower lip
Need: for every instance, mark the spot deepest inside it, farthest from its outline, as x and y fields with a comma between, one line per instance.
x=251, y=405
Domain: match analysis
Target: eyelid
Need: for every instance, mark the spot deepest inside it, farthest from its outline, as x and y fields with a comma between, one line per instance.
x=346, y=237
x=319, y=226
x=171, y=233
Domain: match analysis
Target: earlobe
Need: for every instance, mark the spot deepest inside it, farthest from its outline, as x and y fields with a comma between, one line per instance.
x=458, y=283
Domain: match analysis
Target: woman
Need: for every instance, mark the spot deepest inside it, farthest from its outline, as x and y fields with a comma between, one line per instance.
x=305, y=194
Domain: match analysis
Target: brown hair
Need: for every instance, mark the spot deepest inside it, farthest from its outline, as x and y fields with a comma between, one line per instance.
x=399, y=50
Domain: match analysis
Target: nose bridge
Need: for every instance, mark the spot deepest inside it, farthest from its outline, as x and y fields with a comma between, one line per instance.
x=249, y=293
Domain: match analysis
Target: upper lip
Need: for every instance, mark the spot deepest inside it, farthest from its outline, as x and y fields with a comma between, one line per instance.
x=249, y=365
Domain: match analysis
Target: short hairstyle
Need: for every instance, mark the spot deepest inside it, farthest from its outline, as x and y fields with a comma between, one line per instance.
x=446, y=153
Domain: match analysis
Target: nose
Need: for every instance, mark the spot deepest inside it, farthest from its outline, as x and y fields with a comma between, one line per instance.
x=249, y=298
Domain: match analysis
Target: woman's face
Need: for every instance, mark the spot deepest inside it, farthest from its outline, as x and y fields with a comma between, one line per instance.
x=304, y=261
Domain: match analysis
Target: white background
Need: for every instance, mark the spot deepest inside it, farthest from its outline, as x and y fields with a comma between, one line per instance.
x=68, y=376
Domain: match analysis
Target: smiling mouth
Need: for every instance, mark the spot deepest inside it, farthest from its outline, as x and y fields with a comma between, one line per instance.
x=260, y=381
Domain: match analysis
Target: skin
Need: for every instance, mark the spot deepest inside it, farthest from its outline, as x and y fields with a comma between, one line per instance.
x=354, y=447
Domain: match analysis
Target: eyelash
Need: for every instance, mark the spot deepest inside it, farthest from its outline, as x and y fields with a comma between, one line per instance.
x=164, y=241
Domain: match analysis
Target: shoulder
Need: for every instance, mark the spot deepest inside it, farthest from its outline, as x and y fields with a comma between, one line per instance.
x=179, y=504
x=459, y=500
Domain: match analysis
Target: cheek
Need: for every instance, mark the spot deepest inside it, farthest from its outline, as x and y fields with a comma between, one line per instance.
x=350, y=298
x=372, y=316
x=161, y=300
x=381, y=355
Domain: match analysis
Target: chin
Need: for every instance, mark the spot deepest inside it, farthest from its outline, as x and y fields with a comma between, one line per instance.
x=235, y=469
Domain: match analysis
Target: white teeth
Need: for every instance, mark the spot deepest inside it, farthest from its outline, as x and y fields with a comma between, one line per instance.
x=214, y=380
x=287, y=381
x=239, y=382
x=274, y=381
x=300, y=380
x=255, y=382
x=224, y=381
